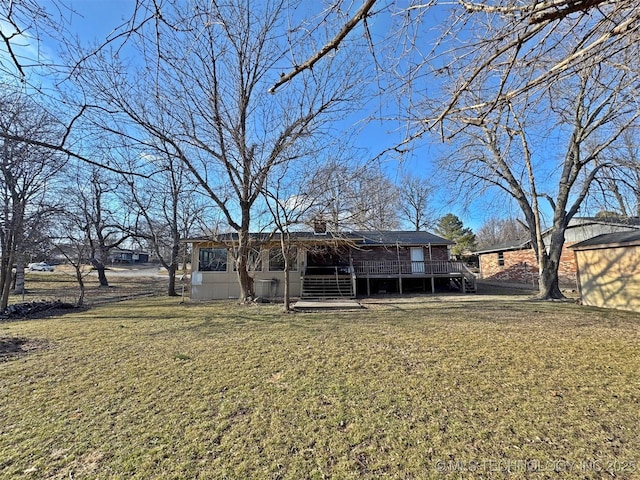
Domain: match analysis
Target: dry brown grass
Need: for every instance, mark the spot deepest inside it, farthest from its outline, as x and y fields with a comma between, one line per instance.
x=433, y=386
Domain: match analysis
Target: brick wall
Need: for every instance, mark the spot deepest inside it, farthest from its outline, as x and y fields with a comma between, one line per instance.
x=521, y=266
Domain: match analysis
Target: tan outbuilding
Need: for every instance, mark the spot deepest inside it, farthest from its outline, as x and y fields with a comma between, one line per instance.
x=609, y=270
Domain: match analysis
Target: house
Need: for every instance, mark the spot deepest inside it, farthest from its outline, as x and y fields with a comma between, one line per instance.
x=516, y=261
x=609, y=270
x=328, y=265
x=123, y=255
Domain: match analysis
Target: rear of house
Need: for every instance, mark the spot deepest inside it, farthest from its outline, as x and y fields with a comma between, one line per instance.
x=328, y=265
x=609, y=270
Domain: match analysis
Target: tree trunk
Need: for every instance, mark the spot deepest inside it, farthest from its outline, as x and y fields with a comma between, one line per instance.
x=102, y=277
x=18, y=285
x=7, y=272
x=171, y=288
x=100, y=268
x=287, y=294
x=244, y=279
x=549, y=287
x=185, y=259
x=285, y=252
x=99, y=263
x=80, y=280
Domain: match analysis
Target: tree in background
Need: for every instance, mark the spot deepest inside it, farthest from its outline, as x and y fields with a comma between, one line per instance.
x=168, y=208
x=354, y=197
x=495, y=231
x=414, y=202
x=68, y=237
x=95, y=199
x=619, y=185
x=26, y=174
x=376, y=202
x=452, y=228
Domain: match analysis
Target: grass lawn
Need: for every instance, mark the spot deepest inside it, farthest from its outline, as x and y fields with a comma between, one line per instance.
x=435, y=386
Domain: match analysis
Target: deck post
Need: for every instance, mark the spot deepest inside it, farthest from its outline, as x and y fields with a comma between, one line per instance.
x=433, y=284
x=400, y=283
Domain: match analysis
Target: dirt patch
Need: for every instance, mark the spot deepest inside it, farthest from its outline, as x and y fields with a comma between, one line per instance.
x=13, y=347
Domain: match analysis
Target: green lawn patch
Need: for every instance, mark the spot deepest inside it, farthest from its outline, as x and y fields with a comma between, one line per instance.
x=424, y=387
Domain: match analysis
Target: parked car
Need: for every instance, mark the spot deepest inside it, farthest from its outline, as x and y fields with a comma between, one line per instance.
x=40, y=267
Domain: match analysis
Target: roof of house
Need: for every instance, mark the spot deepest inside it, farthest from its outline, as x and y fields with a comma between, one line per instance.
x=370, y=238
x=399, y=238
x=519, y=244
x=607, y=240
x=633, y=222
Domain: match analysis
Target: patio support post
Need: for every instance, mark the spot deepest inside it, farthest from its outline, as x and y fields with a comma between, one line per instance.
x=399, y=268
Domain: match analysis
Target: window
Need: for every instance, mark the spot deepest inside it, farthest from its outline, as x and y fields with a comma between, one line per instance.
x=212, y=260
x=501, y=259
x=276, y=260
x=254, y=261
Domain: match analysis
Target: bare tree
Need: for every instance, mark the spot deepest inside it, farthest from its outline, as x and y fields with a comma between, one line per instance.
x=288, y=202
x=495, y=231
x=414, y=203
x=200, y=90
x=24, y=25
x=33, y=38
x=497, y=64
x=505, y=148
x=618, y=189
x=168, y=207
x=106, y=222
x=68, y=235
x=26, y=173
x=295, y=196
x=351, y=196
x=376, y=202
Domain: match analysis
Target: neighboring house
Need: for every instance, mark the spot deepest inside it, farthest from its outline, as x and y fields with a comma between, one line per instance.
x=609, y=270
x=123, y=255
x=61, y=253
x=328, y=265
x=516, y=261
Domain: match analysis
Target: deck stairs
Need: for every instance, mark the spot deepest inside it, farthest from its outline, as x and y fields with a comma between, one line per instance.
x=465, y=283
x=327, y=286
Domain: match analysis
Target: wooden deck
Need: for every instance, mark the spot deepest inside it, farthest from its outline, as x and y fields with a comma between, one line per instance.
x=396, y=268
x=342, y=283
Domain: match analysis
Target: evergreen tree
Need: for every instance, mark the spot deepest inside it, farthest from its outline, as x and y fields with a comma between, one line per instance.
x=452, y=228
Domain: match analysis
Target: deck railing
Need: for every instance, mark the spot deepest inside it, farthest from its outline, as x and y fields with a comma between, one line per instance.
x=408, y=267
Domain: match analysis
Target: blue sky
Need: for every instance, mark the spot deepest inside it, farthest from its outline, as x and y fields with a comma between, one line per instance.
x=93, y=20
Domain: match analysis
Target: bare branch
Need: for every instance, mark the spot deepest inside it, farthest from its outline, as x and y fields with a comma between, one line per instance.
x=333, y=44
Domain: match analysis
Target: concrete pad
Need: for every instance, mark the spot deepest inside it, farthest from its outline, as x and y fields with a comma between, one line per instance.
x=314, y=305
